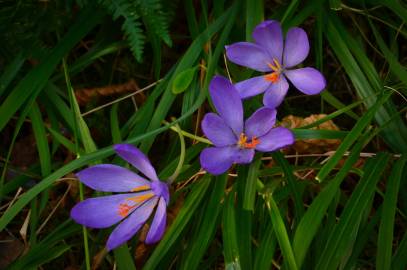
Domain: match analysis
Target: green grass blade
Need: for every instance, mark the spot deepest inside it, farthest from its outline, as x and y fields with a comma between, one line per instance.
x=229, y=235
x=353, y=135
x=385, y=238
x=36, y=79
x=341, y=238
x=183, y=218
x=311, y=221
x=208, y=226
x=10, y=72
x=281, y=232
x=251, y=184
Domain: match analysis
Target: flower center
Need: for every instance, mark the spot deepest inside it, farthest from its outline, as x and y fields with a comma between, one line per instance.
x=245, y=144
x=125, y=208
x=275, y=75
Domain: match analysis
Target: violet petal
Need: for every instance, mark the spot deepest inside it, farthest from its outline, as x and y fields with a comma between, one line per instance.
x=217, y=131
x=275, y=139
x=217, y=160
x=100, y=212
x=136, y=158
x=252, y=87
x=296, y=47
x=111, y=178
x=227, y=102
x=269, y=35
x=275, y=94
x=131, y=225
x=260, y=122
x=157, y=226
x=249, y=55
x=308, y=80
x=244, y=156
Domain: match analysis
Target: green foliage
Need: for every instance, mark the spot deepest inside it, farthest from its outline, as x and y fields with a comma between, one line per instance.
x=318, y=208
x=134, y=13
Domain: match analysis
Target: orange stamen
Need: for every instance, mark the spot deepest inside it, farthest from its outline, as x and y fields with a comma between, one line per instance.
x=124, y=208
x=247, y=145
x=140, y=188
x=272, y=77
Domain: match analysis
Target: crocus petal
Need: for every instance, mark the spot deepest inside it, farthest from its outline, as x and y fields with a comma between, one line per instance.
x=249, y=55
x=157, y=226
x=100, y=212
x=275, y=94
x=111, y=178
x=227, y=102
x=275, y=139
x=252, y=87
x=217, y=131
x=296, y=47
x=269, y=35
x=136, y=158
x=308, y=80
x=131, y=225
x=260, y=122
x=217, y=160
x=243, y=156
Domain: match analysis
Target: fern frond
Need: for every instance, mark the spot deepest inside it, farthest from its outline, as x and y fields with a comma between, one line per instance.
x=132, y=26
x=156, y=19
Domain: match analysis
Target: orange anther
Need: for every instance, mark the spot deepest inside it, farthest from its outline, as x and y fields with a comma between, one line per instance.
x=124, y=209
x=247, y=145
x=140, y=188
x=272, y=77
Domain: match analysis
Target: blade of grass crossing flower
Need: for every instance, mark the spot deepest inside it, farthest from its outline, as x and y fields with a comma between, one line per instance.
x=341, y=238
x=38, y=77
x=251, y=184
x=229, y=235
x=73, y=165
x=184, y=216
x=208, y=226
x=311, y=221
x=291, y=181
x=352, y=136
x=385, y=238
x=280, y=232
x=81, y=128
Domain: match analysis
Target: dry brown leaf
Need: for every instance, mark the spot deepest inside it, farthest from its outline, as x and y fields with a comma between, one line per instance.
x=311, y=146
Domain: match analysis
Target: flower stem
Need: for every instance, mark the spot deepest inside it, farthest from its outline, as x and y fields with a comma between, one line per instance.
x=188, y=135
x=181, y=156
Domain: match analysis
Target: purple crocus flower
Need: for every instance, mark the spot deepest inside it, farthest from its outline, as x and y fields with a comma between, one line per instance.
x=270, y=54
x=235, y=140
x=133, y=207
